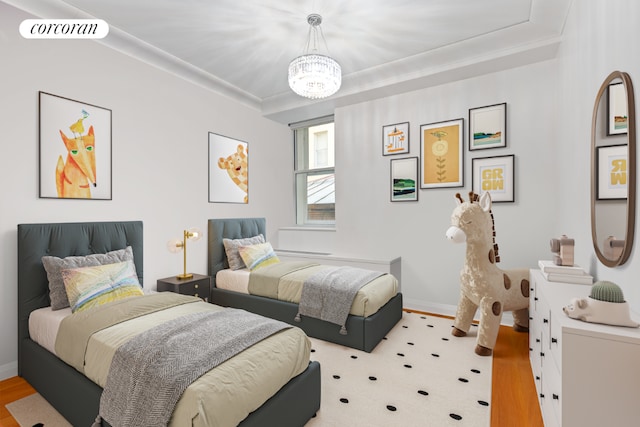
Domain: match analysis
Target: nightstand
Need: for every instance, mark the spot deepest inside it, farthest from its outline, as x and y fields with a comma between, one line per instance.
x=198, y=286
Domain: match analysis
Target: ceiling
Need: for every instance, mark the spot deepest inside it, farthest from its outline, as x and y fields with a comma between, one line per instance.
x=242, y=48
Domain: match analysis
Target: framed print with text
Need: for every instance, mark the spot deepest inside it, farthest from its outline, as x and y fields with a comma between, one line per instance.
x=612, y=172
x=496, y=176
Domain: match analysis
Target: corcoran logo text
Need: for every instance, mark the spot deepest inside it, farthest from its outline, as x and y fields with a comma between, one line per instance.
x=64, y=29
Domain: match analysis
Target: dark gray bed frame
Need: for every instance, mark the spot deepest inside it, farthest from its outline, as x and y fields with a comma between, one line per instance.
x=76, y=397
x=364, y=332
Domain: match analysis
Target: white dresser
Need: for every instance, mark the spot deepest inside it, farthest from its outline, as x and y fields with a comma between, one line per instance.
x=586, y=374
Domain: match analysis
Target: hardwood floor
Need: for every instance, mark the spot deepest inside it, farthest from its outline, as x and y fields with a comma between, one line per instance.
x=513, y=396
x=514, y=401
x=11, y=390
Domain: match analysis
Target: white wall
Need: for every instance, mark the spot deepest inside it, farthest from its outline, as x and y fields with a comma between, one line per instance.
x=600, y=36
x=369, y=225
x=160, y=152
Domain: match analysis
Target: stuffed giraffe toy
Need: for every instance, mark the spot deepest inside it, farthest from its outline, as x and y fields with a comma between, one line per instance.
x=482, y=283
x=236, y=166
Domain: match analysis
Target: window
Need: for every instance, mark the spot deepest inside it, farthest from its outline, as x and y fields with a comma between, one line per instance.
x=314, y=171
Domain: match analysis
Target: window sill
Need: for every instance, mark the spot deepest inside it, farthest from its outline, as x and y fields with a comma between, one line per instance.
x=310, y=228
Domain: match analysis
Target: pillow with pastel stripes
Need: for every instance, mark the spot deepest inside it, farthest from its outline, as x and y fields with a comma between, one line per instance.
x=89, y=287
x=258, y=256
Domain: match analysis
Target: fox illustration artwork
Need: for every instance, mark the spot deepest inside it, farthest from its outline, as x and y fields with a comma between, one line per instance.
x=236, y=166
x=75, y=176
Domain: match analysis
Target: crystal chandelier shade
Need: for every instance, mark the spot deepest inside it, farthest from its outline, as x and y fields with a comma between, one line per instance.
x=313, y=75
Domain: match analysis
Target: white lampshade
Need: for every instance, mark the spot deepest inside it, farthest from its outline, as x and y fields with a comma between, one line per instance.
x=194, y=233
x=174, y=245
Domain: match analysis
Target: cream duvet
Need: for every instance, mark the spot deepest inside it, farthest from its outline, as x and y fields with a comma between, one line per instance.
x=223, y=396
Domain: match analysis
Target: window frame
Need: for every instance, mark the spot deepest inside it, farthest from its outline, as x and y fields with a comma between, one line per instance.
x=299, y=190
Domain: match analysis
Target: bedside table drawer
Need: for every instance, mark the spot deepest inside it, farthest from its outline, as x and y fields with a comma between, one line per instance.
x=197, y=286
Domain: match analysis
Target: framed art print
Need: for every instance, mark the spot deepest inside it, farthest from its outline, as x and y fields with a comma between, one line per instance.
x=75, y=149
x=441, y=153
x=616, y=110
x=612, y=172
x=404, y=179
x=228, y=170
x=496, y=176
x=395, y=139
x=488, y=127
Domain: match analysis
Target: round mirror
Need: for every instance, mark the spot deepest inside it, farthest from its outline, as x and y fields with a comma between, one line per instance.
x=613, y=170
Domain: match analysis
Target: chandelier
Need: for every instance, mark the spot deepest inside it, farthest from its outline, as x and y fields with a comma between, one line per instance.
x=313, y=75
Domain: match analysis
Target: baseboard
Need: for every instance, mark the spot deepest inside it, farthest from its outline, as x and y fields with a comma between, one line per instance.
x=8, y=370
x=446, y=309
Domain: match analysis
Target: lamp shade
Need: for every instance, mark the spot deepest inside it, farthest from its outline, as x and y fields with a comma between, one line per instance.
x=174, y=245
x=194, y=234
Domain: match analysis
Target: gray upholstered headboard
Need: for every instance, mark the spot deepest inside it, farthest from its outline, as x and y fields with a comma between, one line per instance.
x=62, y=240
x=229, y=228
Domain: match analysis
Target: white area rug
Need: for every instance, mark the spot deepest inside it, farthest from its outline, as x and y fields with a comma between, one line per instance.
x=34, y=410
x=419, y=375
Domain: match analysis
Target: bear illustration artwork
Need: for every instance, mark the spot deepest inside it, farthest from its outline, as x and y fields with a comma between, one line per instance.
x=236, y=166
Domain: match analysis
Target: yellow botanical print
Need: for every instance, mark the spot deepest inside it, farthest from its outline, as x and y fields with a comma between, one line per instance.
x=441, y=162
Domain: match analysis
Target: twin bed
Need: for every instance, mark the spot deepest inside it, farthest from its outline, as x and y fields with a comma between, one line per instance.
x=77, y=398
x=378, y=311
x=283, y=392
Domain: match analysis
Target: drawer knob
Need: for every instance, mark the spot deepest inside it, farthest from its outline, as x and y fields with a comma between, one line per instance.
x=197, y=295
x=555, y=396
x=537, y=377
x=542, y=353
x=554, y=340
x=535, y=298
x=545, y=320
x=196, y=286
x=537, y=339
x=542, y=395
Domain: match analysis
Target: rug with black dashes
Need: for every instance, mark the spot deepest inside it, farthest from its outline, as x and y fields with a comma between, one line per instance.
x=418, y=376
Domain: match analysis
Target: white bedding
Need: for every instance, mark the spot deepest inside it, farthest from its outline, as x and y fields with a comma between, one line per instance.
x=369, y=299
x=223, y=396
x=43, y=326
x=233, y=280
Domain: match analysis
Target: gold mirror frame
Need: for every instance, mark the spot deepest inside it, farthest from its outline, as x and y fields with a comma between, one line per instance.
x=622, y=255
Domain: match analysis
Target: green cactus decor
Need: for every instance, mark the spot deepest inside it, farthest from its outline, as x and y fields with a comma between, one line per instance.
x=607, y=291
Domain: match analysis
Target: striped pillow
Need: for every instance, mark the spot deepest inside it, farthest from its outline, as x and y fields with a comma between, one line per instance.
x=93, y=286
x=257, y=256
x=231, y=249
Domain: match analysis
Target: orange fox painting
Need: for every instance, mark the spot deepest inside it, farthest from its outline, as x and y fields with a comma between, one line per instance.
x=73, y=177
x=70, y=162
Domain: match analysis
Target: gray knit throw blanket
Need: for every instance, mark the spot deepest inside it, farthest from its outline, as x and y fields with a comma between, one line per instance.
x=329, y=293
x=150, y=372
